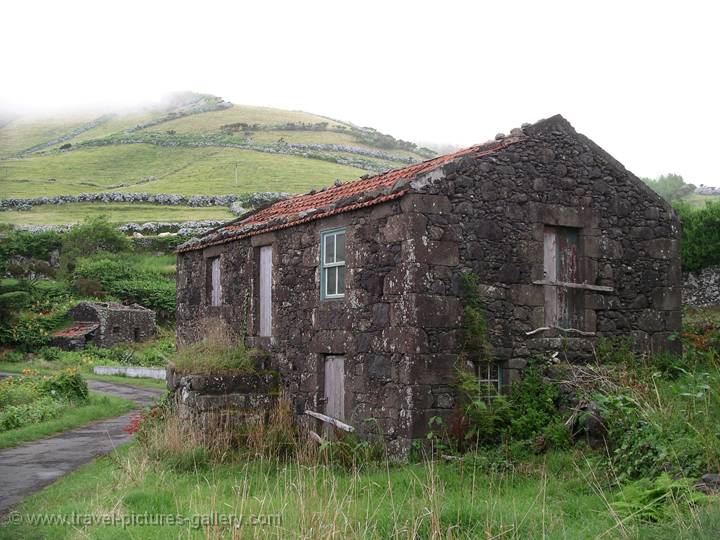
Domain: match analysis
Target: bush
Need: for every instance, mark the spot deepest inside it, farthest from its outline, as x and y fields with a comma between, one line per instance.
x=94, y=235
x=530, y=415
x=700, y=235
x=37, y=245
x=652, y=500
x=67, y=385
x=130, y=279
x=30, y=331
x=15, y=416
x=50, y=354
x=12, y=357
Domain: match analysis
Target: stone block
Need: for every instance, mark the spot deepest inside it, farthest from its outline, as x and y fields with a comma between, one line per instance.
x=425, y=251
x=404, y=226
x=528, y=295
x=425, y=204
x=662, y=248
x=426, y=311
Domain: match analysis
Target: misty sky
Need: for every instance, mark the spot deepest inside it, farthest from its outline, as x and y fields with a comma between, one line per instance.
x=640, y=78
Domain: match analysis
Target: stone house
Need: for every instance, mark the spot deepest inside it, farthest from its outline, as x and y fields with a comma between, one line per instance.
x=356, y=289
x=105, y=324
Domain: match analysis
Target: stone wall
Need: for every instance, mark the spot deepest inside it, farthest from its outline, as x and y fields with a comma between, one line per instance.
x=702, y=288
x=118, y=323
x=398, y=323
x=206, y=400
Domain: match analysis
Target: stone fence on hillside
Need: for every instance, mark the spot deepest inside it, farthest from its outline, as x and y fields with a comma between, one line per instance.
x=199, y=201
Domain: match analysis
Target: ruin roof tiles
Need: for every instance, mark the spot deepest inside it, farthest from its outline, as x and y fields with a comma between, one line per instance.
x=366, y=191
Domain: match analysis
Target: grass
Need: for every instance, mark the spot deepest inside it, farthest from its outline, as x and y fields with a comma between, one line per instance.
x=212, y=121
x=21, y=134
x=185, y=171
x=98, y=408
x=48, y=368
x=554, y=496
x=117, y=213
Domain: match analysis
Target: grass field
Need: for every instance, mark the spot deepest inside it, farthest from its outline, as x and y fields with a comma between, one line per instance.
x=185, y=171
x=117, y=212
x=176, y=167
x=555, y=496
x=212, y=121
x=98, y=408
x=21, y=134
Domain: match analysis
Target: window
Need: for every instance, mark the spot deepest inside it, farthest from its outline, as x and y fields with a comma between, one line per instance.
x=115, y=329
x=489, y=378
x=136, y=334
x=332, y=264
x=214, y=289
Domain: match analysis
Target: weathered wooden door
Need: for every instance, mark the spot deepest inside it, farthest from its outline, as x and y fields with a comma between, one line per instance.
x=562, y=303
x=335, y=387
x=266, y=291
x=215, y=286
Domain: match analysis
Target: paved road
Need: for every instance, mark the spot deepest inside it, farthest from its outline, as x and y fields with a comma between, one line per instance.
x=29, y=467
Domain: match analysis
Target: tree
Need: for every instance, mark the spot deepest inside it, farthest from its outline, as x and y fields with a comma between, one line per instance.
x=671, y=187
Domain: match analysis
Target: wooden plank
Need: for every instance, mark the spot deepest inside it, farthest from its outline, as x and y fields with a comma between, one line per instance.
x=266, y=291
x=216, y=287
x=568, y=330
x=550, y=274
x=585, y=286
x=335, y=387
x=329, y=420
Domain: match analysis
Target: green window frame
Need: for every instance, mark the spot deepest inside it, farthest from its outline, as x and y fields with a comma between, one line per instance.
x=332, y=264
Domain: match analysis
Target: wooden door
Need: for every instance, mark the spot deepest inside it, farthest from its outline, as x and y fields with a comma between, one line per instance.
x=215, y=286
x=335, y=387
x=563, y=304
x=266, y=291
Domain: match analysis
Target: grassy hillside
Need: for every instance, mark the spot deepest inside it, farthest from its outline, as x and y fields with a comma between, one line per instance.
x=194, y=145
x=119, y=213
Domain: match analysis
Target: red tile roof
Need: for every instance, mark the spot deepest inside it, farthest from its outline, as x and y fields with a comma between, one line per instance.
x=77, y=329
x=366, y=191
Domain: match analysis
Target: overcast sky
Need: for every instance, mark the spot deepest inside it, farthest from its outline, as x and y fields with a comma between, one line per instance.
x=639, y=78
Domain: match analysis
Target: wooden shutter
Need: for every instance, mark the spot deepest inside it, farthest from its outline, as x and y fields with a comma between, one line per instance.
x=266, y=291
x=335, y=387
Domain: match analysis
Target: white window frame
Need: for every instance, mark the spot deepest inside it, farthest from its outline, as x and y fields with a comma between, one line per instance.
x=485, y=380
x=335, y=264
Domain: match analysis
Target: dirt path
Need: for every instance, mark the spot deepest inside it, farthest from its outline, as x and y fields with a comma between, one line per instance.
x=29, y=467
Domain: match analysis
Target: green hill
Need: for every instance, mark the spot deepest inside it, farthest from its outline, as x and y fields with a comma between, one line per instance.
x=193, y=145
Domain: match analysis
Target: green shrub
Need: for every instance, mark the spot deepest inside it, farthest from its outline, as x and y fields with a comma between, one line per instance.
x=12, y=357
x=652, y=500
x=66, y=385
x=94, y=235
x=51, y=354
x=37, y=245
x=530, y=415
x=131, y=279
x=700, y=235
x=154, y=293
x=44, y=408
x=17, y=391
